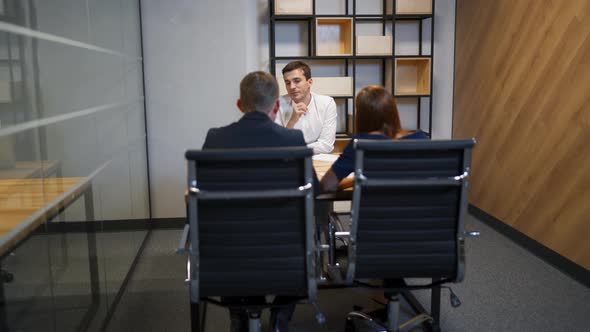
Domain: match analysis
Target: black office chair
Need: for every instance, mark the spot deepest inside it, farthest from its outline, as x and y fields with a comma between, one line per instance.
x=251, y=231
x=407, y=221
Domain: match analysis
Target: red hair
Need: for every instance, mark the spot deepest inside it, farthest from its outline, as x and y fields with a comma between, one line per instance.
x=376, y=111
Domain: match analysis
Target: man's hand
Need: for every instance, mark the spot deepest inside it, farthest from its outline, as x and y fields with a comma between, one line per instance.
x=299, y=110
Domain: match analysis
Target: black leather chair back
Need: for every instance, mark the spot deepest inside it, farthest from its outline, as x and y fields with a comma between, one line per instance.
x=409, y=201
x=251, y=222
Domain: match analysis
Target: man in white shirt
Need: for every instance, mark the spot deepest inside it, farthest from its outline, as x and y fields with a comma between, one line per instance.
x=313, y=114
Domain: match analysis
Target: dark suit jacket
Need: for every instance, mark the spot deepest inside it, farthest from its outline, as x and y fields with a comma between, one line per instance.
x=255, y=130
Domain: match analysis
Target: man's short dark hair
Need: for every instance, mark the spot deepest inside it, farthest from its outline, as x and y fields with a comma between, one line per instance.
x=298, y=65
x=258, y=92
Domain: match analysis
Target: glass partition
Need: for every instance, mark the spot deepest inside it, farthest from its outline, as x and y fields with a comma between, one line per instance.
x=73, y=160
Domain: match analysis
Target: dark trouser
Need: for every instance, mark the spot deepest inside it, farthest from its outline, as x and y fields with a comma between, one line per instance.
x=239, y=316
x=279, y=318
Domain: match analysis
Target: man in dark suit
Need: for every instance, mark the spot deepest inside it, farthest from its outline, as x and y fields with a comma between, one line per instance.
x=259, y=102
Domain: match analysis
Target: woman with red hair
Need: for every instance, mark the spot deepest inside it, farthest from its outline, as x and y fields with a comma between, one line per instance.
x=376, y=118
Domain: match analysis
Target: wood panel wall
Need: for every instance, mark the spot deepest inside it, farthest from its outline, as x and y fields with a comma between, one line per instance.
x=522, y=89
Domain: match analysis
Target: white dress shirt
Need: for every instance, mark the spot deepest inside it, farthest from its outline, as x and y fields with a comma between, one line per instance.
x=318, y=124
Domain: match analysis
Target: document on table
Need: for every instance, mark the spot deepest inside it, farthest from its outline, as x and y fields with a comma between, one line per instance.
x=326, y=157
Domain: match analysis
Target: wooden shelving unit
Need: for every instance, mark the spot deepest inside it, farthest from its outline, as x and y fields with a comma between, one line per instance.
x=333, y=41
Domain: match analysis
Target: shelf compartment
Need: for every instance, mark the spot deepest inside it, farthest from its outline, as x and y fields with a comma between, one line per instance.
x=329, y=86
x=412, y=76
x=291, y=38
x=374, y=45
x=333, y=36
x=413, y=7
x=293, y=7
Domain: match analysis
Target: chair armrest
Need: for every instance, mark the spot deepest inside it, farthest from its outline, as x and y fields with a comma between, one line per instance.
x=183, y=244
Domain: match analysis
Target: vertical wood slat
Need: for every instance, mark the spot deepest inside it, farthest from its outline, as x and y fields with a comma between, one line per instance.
x=522, y=72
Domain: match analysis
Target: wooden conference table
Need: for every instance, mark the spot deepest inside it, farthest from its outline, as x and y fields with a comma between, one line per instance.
x=33, y=192
x=27, y=203
x=21, y=195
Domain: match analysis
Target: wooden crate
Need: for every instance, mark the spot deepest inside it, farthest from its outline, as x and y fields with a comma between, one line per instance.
x=412, y=76
x=374, y=45
x=413, y=7
x=329, y=86
x=333, y=86
x=293, y=7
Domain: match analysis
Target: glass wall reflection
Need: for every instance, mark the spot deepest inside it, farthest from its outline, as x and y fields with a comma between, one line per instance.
x=72, y=159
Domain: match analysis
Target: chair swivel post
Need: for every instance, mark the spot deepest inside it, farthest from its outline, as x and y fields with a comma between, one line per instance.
x=393, y=313
x=254, y=321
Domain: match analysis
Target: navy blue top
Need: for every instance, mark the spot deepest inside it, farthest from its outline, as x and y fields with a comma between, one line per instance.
x=344, y=165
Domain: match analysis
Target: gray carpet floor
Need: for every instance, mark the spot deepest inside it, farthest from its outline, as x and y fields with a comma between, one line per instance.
x=51, y=285
x=506, y=289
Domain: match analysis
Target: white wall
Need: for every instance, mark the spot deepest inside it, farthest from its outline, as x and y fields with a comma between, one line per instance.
x=444, y=62
x=196, y=52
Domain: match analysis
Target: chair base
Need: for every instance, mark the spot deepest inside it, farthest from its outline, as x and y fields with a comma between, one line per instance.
x=359, y=322
x=199, y=311
x=387, y=319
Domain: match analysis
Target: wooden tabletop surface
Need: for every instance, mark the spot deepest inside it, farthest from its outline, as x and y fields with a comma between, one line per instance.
x=26, y=203
x=321, y=167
